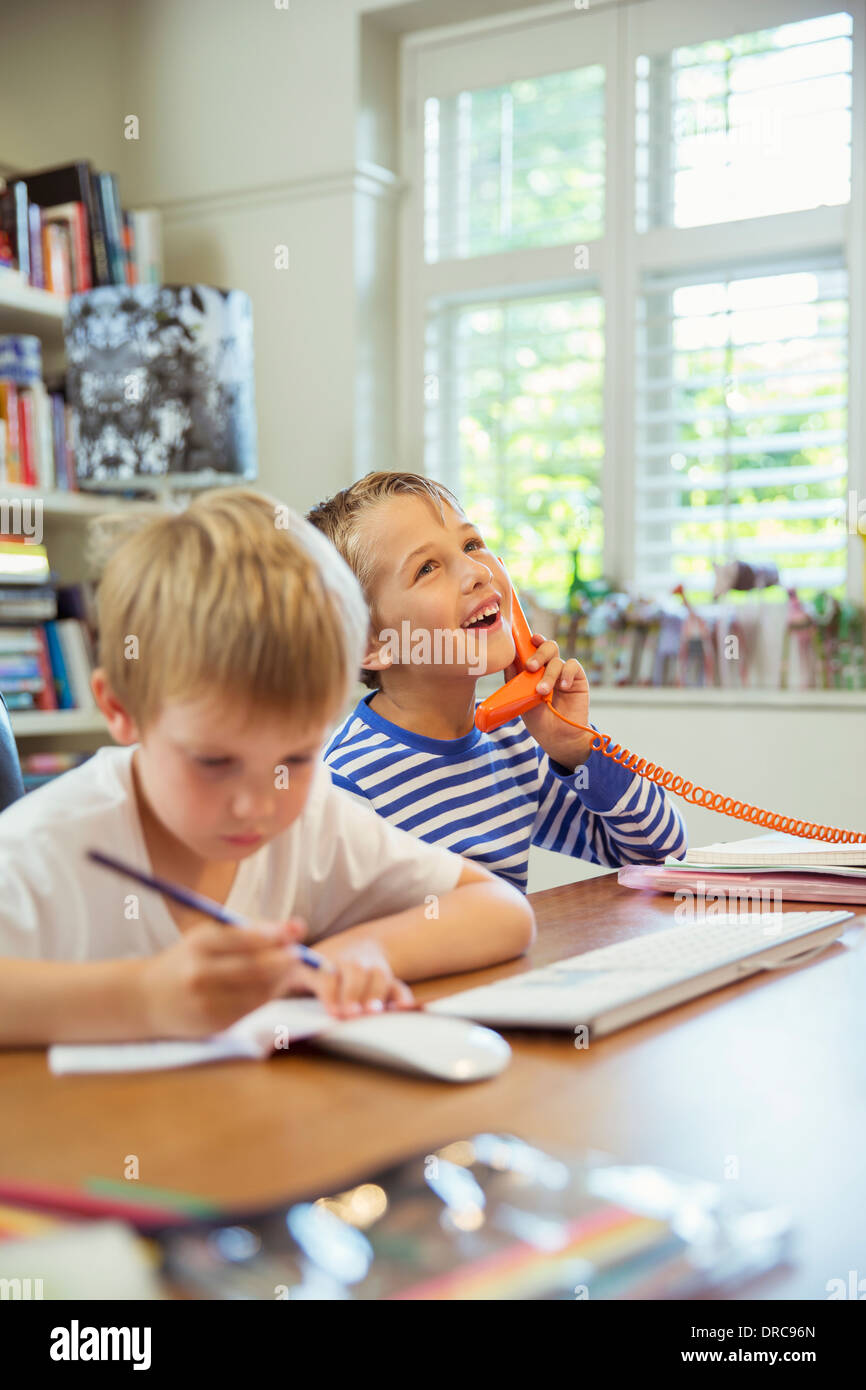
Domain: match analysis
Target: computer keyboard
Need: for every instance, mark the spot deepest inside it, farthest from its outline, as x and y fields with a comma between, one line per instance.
x=616, y=985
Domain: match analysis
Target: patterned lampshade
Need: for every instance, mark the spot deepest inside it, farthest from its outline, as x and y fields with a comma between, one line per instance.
x=161, y=377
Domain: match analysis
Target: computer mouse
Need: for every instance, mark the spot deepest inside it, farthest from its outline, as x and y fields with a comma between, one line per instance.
x=448, y=1049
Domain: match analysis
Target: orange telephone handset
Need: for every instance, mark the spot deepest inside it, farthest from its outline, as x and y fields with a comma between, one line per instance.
x=519, y=695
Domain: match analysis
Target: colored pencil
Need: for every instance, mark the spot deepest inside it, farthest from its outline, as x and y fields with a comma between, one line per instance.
x=199, y=903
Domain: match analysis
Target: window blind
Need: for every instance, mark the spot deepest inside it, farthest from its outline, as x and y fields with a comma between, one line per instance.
x=516, y=165
x=748, y=126
x=741, y=425
x=513, y=389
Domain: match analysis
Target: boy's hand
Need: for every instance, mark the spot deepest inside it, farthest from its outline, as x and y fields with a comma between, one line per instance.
x=214, y=975
x=567, y=680
x=362, y=981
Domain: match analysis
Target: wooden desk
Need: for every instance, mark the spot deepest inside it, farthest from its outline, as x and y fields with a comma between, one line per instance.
x=769, y=1074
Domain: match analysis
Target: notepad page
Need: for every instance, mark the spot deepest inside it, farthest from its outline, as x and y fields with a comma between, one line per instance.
x=777, y=850
x=265, y=1030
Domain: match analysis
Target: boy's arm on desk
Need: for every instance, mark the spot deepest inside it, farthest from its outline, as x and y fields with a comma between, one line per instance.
x=208, y=979
x=482, y=921
x=43, y=1001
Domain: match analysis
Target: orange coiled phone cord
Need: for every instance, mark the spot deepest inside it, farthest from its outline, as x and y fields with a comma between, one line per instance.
x=702, y=796
x=520, y=695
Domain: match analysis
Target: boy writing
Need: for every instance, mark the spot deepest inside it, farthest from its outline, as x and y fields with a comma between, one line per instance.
x=229, y=634
x=411, y=748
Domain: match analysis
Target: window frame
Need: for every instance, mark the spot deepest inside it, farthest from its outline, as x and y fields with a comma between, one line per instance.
x=530, y=43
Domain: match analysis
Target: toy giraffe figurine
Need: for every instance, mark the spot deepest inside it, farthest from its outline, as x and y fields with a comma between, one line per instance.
x=695, y=632
x=801, y=625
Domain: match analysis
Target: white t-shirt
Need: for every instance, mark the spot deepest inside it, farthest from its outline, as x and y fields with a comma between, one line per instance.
x=338, y=864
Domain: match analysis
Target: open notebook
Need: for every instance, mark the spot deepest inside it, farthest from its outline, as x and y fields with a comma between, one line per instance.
x=776, y=851
x=268, y=1029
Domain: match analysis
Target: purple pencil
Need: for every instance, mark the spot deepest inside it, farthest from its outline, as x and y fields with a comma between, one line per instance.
x=188, y=898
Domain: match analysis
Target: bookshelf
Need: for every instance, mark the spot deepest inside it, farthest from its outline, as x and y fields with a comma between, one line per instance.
x=65, y=514
x=24, y=309
x=57, y=723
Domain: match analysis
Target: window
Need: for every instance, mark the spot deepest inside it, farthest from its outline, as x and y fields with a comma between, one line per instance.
x=741, y=428
x=756, y=124
x=629, y=245
x=517, y=165
x=522, y=379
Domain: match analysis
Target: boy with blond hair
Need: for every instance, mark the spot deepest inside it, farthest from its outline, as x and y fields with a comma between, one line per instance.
x=229, y=635
x=411, y=748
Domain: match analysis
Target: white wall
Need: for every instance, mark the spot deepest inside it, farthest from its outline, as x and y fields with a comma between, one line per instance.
x=61, y=95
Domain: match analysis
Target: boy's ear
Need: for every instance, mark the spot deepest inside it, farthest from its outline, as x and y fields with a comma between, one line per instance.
x=121, y=725
x=379, y=652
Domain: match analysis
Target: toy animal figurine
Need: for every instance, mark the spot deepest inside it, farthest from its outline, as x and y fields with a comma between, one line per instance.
x=697, y=646
x=800, y=626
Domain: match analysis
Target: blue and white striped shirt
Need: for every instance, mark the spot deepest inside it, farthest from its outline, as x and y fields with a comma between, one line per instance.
x=490, y=796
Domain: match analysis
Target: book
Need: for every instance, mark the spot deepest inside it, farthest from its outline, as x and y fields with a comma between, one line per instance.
x=74, y=183
x=57, y=257
x=26, y=605
x=47, y=699
x=267, y=1029
x=62, y=689
x=39, y=768
x=20, y=700
x=776, y=851
x=76, y=657
x=147, y=245
x=109, y=203
x=751, y=891
x=9, y=414
x=129, y=249
x=25, y=438
x=13, y=685
x=58, y=440
x=41, y=441
x=73, y=217
x=37, y=266
x=19, y=667
x=14, y=225
x=19, y=639
x=71, y=450
x=23, y=563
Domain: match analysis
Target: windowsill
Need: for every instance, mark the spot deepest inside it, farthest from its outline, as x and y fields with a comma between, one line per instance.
x=676, y=698
x=672, y=697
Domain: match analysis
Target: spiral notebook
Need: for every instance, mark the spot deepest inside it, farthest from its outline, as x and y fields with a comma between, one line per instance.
x=775, y=851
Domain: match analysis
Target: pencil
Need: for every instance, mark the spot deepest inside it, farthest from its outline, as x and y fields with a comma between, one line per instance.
x=69, y=1202
x=188, y=898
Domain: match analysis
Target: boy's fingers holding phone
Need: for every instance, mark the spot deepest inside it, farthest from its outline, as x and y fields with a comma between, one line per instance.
x=547, y=649
x=551, y=675
x=572, y=675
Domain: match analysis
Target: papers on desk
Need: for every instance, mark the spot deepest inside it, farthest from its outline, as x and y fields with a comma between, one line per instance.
x=795, y=869
x=732, y=884
x=776, y=851
x=93, y=1260
x=268, y=1029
